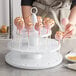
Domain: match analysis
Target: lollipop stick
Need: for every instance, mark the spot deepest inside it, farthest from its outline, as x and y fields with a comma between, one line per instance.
x=47, y=30
x=19, y=42
x=19, y=31
x=28, y=38
x=59, y=42
x=19, y=39
x=39, y=32
x=37, y=44
x=28, y=34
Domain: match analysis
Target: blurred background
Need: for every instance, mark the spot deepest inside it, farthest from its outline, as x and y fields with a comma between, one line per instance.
x=9, y=9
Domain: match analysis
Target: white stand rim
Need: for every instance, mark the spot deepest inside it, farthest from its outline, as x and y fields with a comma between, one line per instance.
x=36, y=59
x=45, y=46
x=14, y=60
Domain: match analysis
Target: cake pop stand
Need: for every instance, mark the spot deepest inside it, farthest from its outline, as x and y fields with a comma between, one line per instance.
x=33, y=52
x=44, y=53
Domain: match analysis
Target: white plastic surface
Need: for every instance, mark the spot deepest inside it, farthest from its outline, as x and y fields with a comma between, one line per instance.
x=29, y=50
x=44, y=55
x=71, y=66
x=71, y=54
x=20, y=60
x=44, y=45
x=24, y=33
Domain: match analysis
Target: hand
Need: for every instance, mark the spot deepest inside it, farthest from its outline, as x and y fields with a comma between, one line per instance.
x=28, y=26
x=38, y=26
x=48, y=23
x=28, y=23
x=59, y=35
x=69, y=30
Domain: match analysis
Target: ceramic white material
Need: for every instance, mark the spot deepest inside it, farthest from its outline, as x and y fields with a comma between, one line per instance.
x=70, y=54
x=71, y=66
x=34, y=51
x=46, y=55
x=45, y=45
x=20, y=60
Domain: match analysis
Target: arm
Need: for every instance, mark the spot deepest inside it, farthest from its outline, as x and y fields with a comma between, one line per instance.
x=26, y=12
x=70, y=27
x=26, y=7
x=72, y=16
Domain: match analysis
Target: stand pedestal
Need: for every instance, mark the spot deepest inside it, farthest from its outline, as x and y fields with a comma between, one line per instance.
x=19, y=60
x=41, y=58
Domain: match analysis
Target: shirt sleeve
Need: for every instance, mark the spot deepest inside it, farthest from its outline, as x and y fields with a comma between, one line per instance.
x=73, y=3
x=27, y=2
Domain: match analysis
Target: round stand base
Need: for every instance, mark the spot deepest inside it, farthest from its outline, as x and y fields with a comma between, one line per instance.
x=20, y=60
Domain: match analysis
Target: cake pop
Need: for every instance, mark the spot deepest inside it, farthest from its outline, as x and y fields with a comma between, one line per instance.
x=59, y=36
x=19, y=22
x=38, y=26
x=39, y=19
x=48, y=23
x=16, y=21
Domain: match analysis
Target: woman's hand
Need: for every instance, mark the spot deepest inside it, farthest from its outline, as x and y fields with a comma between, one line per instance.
x=26, y=12
x=69, y=30
x=28, y=23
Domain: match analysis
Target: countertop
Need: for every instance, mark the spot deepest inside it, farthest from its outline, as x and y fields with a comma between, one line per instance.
x=60, y=70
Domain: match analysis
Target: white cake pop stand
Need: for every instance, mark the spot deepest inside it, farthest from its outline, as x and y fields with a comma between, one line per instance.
x=33, y=57
x=33, y=53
